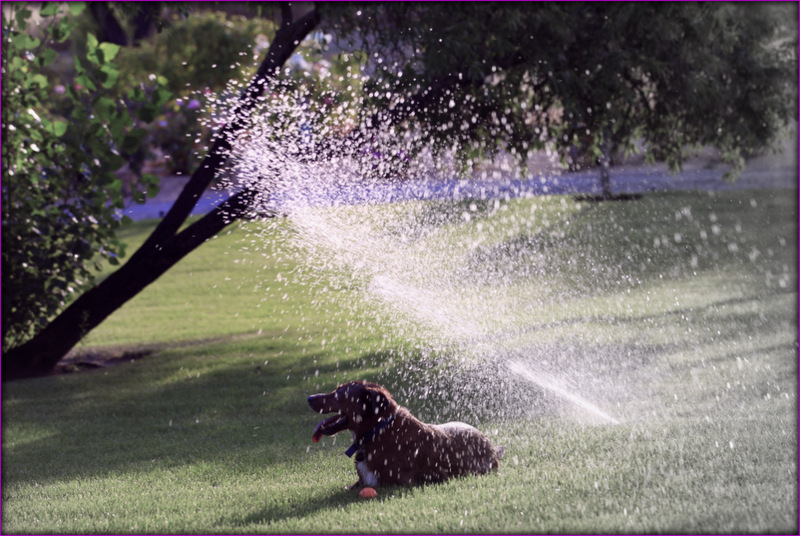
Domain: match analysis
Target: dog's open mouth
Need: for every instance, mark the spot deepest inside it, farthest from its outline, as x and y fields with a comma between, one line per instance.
x=330, y=426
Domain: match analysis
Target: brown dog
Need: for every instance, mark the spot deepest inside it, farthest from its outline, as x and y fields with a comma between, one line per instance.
x=393, y=447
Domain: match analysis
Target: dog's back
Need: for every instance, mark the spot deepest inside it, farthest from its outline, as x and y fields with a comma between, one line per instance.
x=475, y=453
x=423, y=452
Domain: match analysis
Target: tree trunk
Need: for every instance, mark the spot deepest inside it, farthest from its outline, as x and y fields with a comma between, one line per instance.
x=605, y=179
x=605, y=166
x=165, y=246
x=39, y=356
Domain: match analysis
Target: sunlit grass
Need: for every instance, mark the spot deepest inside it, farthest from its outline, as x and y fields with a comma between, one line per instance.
x=695, y=341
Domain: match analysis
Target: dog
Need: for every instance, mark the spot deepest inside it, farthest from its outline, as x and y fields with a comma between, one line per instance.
x=392, y=447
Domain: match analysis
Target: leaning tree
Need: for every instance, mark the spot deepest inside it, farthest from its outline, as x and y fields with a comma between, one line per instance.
x=494, y=76
x=168, y=243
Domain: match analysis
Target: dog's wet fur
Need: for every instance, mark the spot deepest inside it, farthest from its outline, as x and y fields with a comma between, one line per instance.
x=393, y=447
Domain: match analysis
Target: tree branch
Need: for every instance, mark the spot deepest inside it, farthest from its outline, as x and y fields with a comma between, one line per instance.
x=286, y=41
x=230, y=210
x=286, y=14
x=433, y=95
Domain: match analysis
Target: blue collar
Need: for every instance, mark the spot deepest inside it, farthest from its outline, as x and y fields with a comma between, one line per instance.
x=364, y=441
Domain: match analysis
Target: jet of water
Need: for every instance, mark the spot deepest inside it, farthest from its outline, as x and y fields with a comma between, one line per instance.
x=556, y=386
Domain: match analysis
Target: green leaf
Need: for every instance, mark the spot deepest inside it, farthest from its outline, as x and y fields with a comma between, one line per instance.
x=36, y=135
x=25, y=41
x=114, y=192
x=106, y=108
x=133, y=140
x=137, y=94
x=86, y=82
x=76, y=8
x=18, y=64
x=147, y=113
x=22, y=18
x=59, y=128
x=109, y=50
x=118, y=124
x=49, y=9
x=161, y=96
x=63, y=29
x=36, y=80
x=47, y=57
x=111, y=74
x=152, y=184
x=92, y=52
x=78, y=113
x=91, y=42
x=115, y=161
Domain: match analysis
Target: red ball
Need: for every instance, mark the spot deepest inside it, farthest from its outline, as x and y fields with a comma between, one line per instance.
x=368, y=493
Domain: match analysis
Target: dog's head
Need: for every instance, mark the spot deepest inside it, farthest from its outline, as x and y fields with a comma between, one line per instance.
x=359, y=406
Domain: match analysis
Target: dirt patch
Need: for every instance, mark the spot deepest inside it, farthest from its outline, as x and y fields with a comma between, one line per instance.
x=101, y=357
x=99, y=360
x=602, y=198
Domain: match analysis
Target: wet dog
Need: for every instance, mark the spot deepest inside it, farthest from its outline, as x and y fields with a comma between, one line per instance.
x=392, y=447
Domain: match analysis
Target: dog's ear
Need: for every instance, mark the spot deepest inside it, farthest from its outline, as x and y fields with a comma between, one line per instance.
x=376, y=402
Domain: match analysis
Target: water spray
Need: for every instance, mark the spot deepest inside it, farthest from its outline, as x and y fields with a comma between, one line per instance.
x=552, y=384
x=452, y=267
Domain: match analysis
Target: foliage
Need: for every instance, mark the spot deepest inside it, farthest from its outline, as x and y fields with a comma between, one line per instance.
x=200, y=53
x=196, y=53
x=178, y=133
x=61, y=147
x=205, y=56
x=596, y=75
x=204, y=49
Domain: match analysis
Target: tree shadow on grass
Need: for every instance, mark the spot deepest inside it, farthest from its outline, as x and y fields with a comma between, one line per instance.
x=233, y=422
x=129, y=419
x=608, y=247
x=230, y=412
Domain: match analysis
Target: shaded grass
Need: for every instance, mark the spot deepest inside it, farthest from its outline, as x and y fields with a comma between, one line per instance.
x=213, y=435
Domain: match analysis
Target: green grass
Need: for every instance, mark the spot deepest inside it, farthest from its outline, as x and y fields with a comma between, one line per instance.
x=690, y=335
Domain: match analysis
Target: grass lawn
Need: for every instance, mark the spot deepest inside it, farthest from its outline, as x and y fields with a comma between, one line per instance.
x=677, y=313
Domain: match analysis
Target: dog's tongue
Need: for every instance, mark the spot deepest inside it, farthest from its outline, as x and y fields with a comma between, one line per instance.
x=329, y=426
x=318, y=432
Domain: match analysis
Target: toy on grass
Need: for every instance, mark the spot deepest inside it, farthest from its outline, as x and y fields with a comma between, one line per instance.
x=367, y=493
